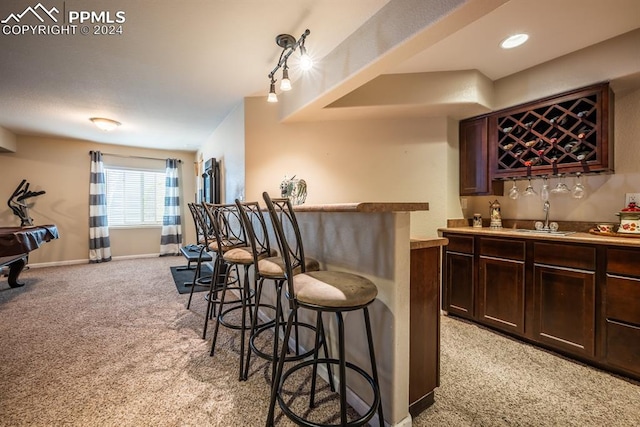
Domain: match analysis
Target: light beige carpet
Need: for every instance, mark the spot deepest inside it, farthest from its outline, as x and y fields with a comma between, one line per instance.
x=113, y=345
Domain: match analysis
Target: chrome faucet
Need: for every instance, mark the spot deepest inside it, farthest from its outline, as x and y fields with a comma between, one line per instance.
x=546, y=208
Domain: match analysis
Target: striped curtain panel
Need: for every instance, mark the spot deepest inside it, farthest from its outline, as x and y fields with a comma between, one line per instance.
x=99, y=245
x=171, y=239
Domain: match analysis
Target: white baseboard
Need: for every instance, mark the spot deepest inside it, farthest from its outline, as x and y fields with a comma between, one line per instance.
x=86, y=261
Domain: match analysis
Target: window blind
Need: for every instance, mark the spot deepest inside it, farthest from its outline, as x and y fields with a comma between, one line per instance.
x=134, y=197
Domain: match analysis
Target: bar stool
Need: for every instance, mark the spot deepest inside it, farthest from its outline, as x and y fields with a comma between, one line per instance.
x=270, y=268
x=204, y=238
x=323, y=292
x=233, y=252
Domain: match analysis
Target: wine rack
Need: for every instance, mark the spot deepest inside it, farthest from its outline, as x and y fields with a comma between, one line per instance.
x=566, y=133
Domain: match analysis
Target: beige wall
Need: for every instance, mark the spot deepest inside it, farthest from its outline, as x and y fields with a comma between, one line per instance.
x=354, y=161
x=61, y=168
x=226, y=144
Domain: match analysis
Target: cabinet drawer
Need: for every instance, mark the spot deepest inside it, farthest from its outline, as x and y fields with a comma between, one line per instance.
x=623, y=261
x=572, y=256
x=623, y=346
x=623, y=299
x=463, y=244
x=502, y=248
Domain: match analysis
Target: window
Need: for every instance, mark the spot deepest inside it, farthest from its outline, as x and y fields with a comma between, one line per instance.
x=134, y=197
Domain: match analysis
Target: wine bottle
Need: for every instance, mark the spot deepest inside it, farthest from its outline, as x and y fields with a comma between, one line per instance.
x=572, y=147
x=554, y=137
x=582, y=114
x=582, y=133
x=532, y=161
x=507, y=129
x=558, y=120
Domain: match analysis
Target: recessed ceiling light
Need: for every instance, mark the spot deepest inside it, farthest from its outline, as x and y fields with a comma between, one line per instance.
x=105, y=124
x=514, y=41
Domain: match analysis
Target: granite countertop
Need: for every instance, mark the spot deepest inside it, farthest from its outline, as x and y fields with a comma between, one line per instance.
x=365, y=207
x=577, y=237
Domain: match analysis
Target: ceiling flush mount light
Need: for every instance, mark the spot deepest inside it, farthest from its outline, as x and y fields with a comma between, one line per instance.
x=105, y=124
x=289, y=44
x=514, y=41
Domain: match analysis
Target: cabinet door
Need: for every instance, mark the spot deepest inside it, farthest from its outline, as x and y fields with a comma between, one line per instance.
x=474, y=162
x=564, y=307
x=501, y=293
x=622, y=317
x=459, y=284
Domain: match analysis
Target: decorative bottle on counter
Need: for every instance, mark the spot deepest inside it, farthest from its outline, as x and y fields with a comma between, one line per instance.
x=477, y=220
x=496, y=216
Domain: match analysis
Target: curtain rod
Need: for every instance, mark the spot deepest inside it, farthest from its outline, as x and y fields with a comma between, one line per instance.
x=133, y=157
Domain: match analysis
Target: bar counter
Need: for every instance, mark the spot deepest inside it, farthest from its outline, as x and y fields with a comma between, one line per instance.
x=372, y=239
x=611, y=239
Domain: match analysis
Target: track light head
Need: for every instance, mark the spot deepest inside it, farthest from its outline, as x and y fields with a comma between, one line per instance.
x=285, y=83
x=272, y=92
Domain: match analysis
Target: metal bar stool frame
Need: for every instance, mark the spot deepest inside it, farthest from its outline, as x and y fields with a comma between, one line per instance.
x=204, y=238
x=230, y=235
x=258, y=236
x=279, y=210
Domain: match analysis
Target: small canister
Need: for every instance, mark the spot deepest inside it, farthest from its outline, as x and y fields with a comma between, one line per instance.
x=477, y=220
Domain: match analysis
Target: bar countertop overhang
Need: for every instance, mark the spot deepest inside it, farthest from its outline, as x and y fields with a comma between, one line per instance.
x=365, y=207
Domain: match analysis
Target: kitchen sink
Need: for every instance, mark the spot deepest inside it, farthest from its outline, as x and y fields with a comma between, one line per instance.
x=549, y=232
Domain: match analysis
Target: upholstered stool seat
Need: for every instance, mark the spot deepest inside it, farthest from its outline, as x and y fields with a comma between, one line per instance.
x=333, y=289
x=273, y=267
x=244, y=255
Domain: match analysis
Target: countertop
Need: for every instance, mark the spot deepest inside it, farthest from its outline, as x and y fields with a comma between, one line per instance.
x=578, y=237
x=365, y=207
x=432, y=242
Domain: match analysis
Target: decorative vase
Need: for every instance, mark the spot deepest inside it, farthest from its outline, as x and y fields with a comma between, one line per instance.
x=295, y=189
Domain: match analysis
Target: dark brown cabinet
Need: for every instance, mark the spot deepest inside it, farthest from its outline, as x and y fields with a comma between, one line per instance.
x=501, y=284
x=564, y=309
x=566, y=133
x=564, y=297
x=580, y=299
x=459, y=276
x=424, y=343
x=622, y=310
x=474, y=159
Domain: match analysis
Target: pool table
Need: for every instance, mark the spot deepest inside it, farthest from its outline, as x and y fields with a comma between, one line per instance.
x=17, y=242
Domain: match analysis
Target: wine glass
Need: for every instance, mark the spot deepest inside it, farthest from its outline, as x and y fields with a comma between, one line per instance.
x=544, y=192
x=578, y=191
x=529, y=191
x=514, y=193
x=561, y=187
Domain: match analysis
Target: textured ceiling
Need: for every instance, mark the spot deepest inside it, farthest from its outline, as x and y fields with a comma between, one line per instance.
x=180, y=67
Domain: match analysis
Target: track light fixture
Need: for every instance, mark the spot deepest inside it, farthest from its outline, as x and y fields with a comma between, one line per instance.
x=289, y=44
